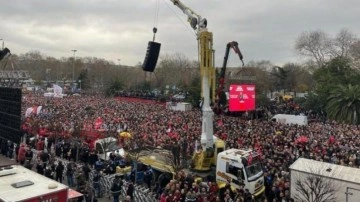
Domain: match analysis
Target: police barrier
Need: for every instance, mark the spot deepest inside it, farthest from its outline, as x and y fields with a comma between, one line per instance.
x=141, y=193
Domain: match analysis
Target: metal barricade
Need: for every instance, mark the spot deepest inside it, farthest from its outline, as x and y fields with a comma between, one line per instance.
x=141, y=193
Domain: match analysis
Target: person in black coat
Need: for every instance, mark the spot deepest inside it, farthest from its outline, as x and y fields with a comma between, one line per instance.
x=86, y=169
x=59, y=171
x=130, y=191
x=116, y=188
x=40, y=167
x=48, y=172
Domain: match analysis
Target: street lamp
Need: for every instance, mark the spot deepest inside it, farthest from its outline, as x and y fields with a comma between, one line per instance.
x=2, y=43
x=73, y=73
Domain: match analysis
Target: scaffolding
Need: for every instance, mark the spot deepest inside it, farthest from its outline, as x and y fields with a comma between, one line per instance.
x=13, y=78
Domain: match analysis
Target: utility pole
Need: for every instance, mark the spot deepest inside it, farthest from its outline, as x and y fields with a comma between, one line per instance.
x=73, y=72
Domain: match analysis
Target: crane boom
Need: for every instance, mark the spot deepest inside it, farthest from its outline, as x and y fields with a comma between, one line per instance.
x=202, y=159
x=221, y=83
x=195, y=20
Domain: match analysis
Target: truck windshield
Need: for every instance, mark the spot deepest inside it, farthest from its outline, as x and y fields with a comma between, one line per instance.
x=253, y=170
x=111, y=146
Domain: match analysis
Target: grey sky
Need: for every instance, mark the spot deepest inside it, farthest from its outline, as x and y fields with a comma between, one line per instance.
x=121, y=29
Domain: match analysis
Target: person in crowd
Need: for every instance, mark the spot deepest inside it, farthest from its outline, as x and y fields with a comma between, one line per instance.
x=116, y=188
x=21, y=157
x=96, y=183
x=29, y=154
x=40, y=167
x=151, y=124
x=48, y=172
x=70, y=169
x=59, y=171
x=86, y=169
x=148, y=177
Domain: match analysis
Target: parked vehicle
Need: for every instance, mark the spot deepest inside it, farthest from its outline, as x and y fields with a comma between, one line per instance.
x=344, y=181
x=290, y=119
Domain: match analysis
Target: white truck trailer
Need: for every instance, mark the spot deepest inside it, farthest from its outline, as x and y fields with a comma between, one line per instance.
x=319, y=181
x=290, y=119
x=178, y=106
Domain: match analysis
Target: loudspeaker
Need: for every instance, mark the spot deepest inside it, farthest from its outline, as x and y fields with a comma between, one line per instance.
x=151, y=57
x=10, y=114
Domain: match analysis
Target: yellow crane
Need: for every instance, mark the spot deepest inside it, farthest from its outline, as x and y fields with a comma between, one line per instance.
x=206, y=153
x=235, y=166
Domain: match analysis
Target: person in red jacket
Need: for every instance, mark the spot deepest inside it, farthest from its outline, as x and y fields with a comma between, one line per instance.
x=21, y=154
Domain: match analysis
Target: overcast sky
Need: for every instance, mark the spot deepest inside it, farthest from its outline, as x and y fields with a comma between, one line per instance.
x=121, y=29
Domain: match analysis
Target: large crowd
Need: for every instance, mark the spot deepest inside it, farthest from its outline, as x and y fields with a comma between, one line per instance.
x=60, y=120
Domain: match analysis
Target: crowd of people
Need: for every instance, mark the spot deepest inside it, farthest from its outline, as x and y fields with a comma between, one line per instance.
x=62, y=120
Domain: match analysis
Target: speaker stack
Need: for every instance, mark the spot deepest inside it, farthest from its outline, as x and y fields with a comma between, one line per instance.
x=151, y=56
x=10, y=114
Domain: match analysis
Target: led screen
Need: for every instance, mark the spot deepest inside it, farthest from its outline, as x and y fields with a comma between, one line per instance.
x=241, y=97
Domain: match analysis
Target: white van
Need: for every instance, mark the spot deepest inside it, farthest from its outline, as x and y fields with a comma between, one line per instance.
x=290, y=119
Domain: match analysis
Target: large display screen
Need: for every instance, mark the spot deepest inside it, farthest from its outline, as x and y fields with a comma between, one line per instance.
x=241, y=97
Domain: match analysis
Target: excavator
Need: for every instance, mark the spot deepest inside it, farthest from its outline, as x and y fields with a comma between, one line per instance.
x=220, y=102
x=241, y=168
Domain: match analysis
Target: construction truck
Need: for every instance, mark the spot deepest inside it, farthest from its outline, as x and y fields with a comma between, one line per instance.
x=221, y=103
x=239, y=168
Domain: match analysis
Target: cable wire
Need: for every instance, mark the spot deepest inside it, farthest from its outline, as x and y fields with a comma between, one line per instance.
x=157, y=9
x=181, y=20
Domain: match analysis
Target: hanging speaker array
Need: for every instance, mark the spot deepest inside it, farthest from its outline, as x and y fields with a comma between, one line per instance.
x=151, y=56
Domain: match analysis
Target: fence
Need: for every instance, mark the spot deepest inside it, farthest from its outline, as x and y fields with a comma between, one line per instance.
x=141, y=193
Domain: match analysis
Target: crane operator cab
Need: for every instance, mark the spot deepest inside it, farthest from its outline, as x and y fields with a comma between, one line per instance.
x=208, y=156
x=240, y=168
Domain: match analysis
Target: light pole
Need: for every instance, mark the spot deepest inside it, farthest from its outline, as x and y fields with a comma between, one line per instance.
x=2, y=43
x=73, y=72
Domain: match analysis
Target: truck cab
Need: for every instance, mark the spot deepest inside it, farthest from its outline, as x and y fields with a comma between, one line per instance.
x=240, y=168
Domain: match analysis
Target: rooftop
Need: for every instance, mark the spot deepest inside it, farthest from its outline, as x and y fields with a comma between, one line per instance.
x=39, y=187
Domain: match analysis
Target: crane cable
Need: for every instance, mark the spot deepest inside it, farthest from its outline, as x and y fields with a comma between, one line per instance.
x=156, y=18
x=180, y=19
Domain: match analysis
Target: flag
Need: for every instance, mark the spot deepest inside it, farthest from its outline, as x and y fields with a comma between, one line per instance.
x=57, y=91
x=33, y=110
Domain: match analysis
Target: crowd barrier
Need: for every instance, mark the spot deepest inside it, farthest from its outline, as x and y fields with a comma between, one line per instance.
x=141, y=193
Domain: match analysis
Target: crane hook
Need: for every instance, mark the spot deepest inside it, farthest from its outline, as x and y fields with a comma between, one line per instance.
x=154, y=31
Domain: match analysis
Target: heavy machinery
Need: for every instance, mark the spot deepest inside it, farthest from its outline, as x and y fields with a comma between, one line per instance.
x=233, y=166
x=221, y=100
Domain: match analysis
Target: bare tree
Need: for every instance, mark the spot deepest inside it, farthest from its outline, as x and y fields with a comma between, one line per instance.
x=322, y=48
x=355, y=54
x=314, y=188
x=342, y=43
x=315, y=44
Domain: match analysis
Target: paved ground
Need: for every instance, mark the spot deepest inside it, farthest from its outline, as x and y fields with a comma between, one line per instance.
x=6, y=161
